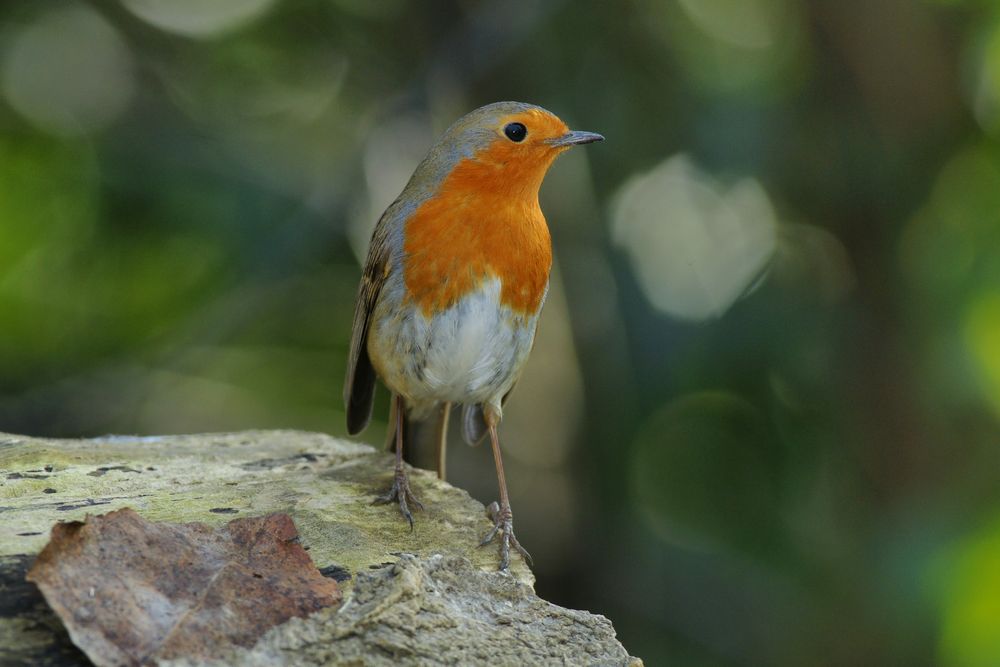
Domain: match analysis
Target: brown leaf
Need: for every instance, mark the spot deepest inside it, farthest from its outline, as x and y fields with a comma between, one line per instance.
x=130, y=591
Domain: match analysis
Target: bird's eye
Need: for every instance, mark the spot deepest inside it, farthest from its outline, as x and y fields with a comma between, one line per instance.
x=515, y=131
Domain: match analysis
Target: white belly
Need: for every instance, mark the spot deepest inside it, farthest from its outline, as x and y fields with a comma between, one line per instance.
x=471, y=353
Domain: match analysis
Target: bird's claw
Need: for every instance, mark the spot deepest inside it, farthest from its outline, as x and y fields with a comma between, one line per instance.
x=503, y=523
x=400, y=492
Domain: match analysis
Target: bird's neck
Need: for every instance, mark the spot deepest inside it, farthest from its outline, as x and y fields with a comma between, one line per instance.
x=484, y=222
x=494, y=173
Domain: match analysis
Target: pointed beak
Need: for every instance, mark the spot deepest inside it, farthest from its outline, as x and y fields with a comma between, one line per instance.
x=574, y=138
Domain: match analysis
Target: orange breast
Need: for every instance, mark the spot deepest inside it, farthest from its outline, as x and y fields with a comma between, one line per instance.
x=484, y=222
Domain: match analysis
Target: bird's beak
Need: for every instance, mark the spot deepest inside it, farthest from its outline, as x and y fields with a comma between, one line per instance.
x=574, y=138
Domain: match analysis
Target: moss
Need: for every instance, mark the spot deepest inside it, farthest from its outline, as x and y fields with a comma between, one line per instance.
x=325, y=484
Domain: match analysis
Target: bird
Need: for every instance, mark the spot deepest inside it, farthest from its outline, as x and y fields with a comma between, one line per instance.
x=455, y=278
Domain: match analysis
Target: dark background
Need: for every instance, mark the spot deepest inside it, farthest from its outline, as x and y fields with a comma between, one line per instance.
x=760, y=425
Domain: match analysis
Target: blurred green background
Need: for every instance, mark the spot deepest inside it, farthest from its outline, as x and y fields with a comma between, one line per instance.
x=761, y=425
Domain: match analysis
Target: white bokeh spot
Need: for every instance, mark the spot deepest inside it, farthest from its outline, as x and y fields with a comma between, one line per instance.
x=695, y=245
x=68, y=73
x=198, y=18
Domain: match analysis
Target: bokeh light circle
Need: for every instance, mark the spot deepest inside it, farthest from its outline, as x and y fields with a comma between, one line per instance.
x=194, y=18
x=68, y=73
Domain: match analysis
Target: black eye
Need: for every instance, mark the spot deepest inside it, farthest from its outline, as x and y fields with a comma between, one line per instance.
x=515, y=131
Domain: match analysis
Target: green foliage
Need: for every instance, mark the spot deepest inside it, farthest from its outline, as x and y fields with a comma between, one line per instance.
x=761, y=424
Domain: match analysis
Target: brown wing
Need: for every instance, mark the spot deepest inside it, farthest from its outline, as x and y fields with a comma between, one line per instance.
x=359, y=385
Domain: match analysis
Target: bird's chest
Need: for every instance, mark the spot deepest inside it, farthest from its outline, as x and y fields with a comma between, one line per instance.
x=469, y=352
x=458, y=311
x=452, y=244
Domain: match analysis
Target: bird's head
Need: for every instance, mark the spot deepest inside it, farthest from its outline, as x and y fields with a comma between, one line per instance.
x=507, y=145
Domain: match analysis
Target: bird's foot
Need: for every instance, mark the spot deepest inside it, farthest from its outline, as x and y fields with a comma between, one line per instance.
x=503, y=524
x=401, y=493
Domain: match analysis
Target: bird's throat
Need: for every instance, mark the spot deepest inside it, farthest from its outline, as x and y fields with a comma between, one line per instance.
x=483, y=222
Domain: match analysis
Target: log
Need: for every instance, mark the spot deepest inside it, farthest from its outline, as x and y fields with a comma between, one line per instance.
x=429, y=596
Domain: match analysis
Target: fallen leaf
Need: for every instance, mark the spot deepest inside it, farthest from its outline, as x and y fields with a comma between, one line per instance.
x=131, y=592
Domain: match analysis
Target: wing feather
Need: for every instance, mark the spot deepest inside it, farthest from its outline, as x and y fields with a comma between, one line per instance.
x=359, y=384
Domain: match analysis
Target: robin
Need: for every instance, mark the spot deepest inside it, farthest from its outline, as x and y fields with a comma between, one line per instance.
x=455, y=279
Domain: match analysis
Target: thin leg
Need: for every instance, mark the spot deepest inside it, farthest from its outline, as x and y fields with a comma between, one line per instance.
x=441, y=437
x=500, y=514
x=390, y=435
x=400, y=490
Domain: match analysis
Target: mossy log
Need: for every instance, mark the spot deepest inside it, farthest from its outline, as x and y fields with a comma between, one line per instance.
x=327, y=486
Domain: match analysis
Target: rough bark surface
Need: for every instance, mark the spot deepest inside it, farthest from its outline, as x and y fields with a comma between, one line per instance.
x=438, y=610
x=429, y=596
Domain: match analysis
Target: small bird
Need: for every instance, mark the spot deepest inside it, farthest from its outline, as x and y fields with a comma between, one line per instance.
x=455, y=278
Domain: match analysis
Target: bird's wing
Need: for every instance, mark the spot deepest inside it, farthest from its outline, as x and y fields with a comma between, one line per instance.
x=359, y=385
x=474, y=429
x=473, y=424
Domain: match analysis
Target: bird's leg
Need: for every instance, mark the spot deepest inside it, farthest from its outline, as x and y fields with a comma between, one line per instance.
x=400, y=490
x=500, y=514
x=441, y=439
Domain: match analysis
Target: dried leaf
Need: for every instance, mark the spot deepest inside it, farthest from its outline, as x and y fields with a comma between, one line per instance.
x=131, y=592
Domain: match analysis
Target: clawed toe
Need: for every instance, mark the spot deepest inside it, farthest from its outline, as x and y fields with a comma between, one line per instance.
x=503, y=524
x=401, y=493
